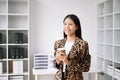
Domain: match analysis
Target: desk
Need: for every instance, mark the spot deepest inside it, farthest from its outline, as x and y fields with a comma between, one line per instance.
x=37, y=72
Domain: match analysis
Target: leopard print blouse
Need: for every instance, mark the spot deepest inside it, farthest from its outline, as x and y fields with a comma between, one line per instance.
x=79, y=60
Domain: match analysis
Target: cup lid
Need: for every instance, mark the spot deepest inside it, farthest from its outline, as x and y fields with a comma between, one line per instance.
x=61, y=49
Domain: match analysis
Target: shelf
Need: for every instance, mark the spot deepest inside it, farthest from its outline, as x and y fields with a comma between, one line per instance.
x=108, y=22
x=117, y=21
x=100, y=50
x=100, y=9
x=100, y=36
x=3, y=14
x=100, y=23
x=100, y=66
x=108, y=7
x=17, y=51
x=3, y=52
x=18, y=14
x=108, y=37
x=3, y=21
x=117, y=70
x=18, y=67
x=117, y=54
x=18, y=36
x=21, y=59
x=3, y=65
x=117, y=5
x=108, y=52
x=18, y=0
x=117, y=37
x=18, y=77
x=14, y=45
x=3, y=7
x=108, y=63
x=17, y=6
x=17, y=21
x=3, y=37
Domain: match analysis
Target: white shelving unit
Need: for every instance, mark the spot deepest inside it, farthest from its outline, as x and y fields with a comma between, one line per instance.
x=14, y=39
x=108, y=39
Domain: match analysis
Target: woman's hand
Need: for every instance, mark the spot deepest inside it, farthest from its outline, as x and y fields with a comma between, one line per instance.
x=61, y=56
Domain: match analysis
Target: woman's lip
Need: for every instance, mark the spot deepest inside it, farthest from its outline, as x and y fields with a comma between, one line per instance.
x=67, y=30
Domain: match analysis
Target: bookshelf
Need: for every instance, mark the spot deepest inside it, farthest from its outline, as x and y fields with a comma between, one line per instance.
x=108, y=39
x=14, y=39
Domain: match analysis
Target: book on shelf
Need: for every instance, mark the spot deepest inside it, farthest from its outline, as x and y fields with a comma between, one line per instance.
x=1, y=67
x=17, y=67
x=0, y=38
x=1, y=53
x=18, y=37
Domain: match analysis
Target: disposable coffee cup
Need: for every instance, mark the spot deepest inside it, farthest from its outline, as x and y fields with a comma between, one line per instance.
x=61, y=50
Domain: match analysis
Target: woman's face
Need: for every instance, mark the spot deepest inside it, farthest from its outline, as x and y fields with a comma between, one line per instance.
x=69, y=27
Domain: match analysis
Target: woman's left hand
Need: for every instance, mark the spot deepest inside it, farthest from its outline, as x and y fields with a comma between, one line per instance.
x=65, y=59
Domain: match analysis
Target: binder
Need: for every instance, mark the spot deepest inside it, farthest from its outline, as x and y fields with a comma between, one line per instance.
x=1, y=53
x=12, y=53
x=0, y=38
x=17, y=67
x=21, y=52
x=18, y=37
x=17, y=53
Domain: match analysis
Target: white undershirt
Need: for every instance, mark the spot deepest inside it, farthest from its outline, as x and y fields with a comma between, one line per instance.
x=68, y=46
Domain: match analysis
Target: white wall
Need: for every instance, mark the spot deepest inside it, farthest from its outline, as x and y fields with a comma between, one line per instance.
x=46, y=24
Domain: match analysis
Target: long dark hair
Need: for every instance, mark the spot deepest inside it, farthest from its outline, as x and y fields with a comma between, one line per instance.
x=76, y=20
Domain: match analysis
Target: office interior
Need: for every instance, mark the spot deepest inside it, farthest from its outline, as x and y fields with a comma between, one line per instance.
x=40, y=23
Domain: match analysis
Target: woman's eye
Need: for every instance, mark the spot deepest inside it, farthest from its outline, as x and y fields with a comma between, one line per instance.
x=70, y=24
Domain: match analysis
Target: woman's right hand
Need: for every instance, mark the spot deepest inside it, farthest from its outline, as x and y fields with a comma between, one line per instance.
x=59, y=56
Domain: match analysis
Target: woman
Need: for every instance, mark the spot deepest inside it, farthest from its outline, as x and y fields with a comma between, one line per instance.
x=76, y=58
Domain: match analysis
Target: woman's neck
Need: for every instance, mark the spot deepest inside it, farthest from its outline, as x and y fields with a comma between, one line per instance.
x=71, y=38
